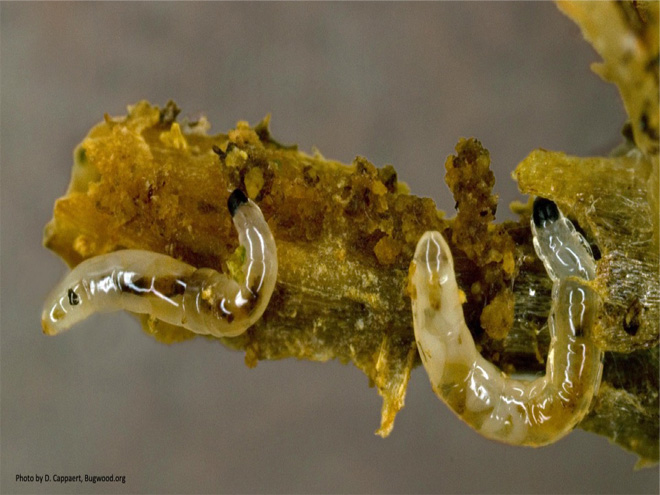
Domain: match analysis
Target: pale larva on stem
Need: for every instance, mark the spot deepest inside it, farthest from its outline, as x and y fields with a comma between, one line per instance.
x=517, y=412
x=203, y=300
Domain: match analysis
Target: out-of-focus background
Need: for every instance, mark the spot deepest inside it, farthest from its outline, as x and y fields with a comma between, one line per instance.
x=398, y=83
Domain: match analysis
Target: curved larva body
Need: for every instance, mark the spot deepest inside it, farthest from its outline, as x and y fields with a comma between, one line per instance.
x=517, y=412
x=202, y=300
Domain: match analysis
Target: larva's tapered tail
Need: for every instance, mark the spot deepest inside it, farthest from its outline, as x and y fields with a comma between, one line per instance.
x=517, y=412
x=202, y=300
x=133, y=280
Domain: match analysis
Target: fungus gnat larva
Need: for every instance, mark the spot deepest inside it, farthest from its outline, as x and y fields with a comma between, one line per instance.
x=517, y=412
x=202, y=300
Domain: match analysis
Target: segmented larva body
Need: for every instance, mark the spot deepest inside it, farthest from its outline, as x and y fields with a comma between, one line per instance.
x=202, y=300
x=518, y=412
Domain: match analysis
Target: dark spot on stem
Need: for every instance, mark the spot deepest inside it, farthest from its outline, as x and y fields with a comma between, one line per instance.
x=646, y=128
x=205, y=208
x=82, y=156
x=388, y=177
x=627, y=132
x=310, y=176
x=631, y=321
x=595, y=250
x=169, y=114
x=219, y=152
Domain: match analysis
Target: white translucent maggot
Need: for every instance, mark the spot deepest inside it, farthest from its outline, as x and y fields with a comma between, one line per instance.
x=517, y=412
x=203, y=300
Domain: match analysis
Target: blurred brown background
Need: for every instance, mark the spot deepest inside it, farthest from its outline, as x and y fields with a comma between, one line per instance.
x=398, y=83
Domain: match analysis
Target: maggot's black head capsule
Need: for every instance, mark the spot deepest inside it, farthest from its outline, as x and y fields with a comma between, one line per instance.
x=545, y=211
x=236, y=199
